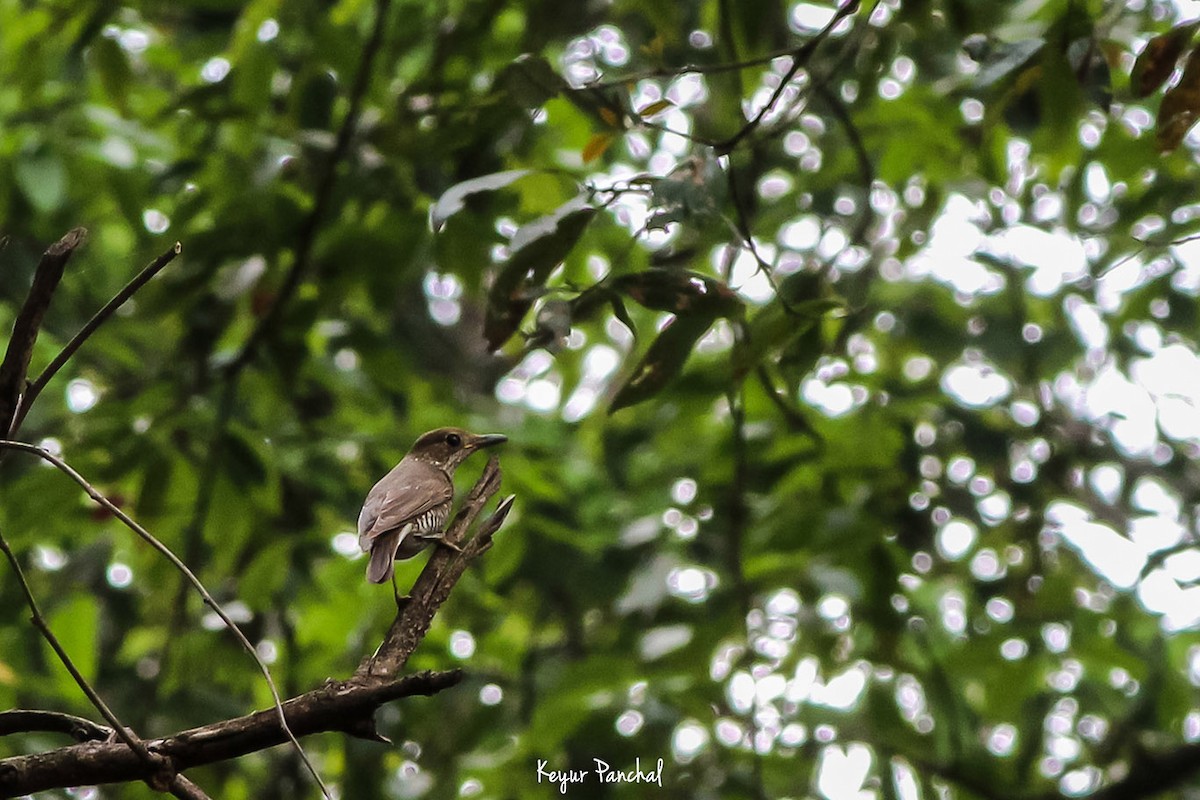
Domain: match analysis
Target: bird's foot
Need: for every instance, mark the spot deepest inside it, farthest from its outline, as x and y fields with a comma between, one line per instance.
x=401, y=600
x=440, y=539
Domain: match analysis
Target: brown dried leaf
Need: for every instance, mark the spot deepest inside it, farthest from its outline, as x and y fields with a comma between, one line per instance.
x=596, y=146
x=1180, y=106
x=1157, y=60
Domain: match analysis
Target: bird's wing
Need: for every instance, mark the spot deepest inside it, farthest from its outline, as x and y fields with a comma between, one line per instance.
x=400, y=497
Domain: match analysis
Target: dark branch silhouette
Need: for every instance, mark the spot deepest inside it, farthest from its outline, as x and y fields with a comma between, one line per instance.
x=29, y=321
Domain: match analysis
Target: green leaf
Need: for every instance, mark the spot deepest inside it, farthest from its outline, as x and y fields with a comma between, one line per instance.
x=315, y=99
x=43, y=181
x=531, y=81
x=663, y=360
x=112, y=66
x=537, y=248
x=75, y=626
x=1005, y=59
x=243, y=462
x=452, y=200
x=622, y=314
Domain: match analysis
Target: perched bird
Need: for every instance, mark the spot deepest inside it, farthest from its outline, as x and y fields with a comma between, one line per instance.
x=405, y=511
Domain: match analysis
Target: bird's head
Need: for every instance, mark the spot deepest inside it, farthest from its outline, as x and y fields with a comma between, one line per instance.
x=448, y=447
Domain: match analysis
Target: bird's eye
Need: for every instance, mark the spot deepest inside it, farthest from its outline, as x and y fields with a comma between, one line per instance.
x=454, y=440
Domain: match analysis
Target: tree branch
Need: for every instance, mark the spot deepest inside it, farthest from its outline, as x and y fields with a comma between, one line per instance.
x=128, y=739
x=184, y=789
x=800, y=57
x=866, y=170
x=345, y=706
x=444, y=568
x=29, y=321
x=26, y=721
x=165, y=551
x=98, y=319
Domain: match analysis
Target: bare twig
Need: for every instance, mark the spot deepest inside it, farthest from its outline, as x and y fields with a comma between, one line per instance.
x=78, y=728
x=1145, y=245
x=866, y=171
x=795, y=419
x=739, y=518
x=98, y=319
x=738, y=510
x=693, y=69
x=193, y=532
x=800, y=57
x=184, y=789
x=123, y=733
x=165, y=551
x=82, y=730
x=29, y=321
x=742, y=229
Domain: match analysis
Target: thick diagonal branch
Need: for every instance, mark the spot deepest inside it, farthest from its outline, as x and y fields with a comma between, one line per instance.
x=443, y=570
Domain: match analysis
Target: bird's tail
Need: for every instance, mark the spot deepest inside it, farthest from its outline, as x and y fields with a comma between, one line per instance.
x=383, y=555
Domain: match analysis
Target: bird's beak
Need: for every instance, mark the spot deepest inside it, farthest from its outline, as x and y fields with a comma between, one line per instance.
x=489, y=439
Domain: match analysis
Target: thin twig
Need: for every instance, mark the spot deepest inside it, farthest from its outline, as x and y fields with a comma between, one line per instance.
x=165, y=551
x=185, y=789
x=693, y=69
x=742, y=230
x=123, y=733
x=660, y=127
x=800, y=58
x=1146, y=244
x=738, y=511
x=866, y=170
x=98, y=319
x=193, y=532
x=80, y=729
x=796, y=421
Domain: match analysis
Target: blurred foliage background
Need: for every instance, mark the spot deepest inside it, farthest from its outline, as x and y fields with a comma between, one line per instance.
x=847, y=358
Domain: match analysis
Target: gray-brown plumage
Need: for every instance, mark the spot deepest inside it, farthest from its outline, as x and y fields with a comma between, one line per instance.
x=406, y=510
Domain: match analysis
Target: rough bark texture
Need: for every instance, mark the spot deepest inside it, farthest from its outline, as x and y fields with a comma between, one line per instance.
x=346, y=706
x=337, y=706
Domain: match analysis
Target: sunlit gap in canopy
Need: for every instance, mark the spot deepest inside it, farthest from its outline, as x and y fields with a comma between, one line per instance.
x=1144, y=404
